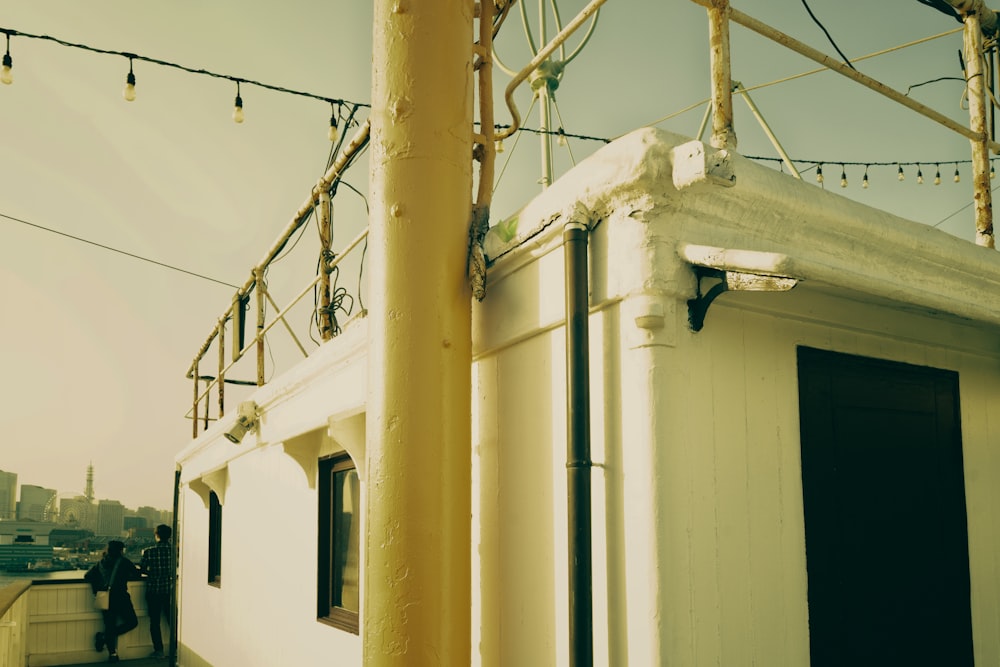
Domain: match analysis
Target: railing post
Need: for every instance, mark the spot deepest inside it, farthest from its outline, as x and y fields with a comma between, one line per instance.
x=258, y=274
x=222, y=367
x=325, y=254
x=723, y=134
x=194, y=405
x=975, y=75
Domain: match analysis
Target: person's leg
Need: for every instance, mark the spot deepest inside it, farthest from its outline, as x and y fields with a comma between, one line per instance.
x=127, y=620
x=154, y=605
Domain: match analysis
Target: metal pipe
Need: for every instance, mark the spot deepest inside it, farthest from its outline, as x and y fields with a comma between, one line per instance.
x=841, y=68
x=357, y=143
x=578, y=463
x=288, y=326
x=539, y=58
x=194, y=405
x=222, y=368
x=174, y=606
x=723, y=134
x=767, y=129
x=325, y=316
x=972, y=41
x=259, y=338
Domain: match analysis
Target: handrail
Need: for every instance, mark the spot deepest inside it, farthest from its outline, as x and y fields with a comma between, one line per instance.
x=279, y=317
x=318, y=199
x=300, y=216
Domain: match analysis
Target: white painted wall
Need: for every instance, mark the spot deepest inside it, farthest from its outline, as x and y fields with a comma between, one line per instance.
x=699, y=552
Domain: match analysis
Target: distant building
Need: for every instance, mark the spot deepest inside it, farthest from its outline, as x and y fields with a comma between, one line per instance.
x=37, y=503
x=150, y=514
x=132, y=522
x=110, y=518
x=24, y=543
x=8, y=494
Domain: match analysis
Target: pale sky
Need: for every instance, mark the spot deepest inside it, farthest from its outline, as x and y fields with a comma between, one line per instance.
x=95, y=345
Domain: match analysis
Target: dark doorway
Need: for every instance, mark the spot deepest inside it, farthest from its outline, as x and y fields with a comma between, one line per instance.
x=884, y=494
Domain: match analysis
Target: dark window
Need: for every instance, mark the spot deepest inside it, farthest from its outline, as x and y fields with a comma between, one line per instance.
x=214, y=540
x=339, y=543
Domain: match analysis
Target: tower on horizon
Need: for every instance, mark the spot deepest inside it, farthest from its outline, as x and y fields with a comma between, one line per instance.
x=89, y=492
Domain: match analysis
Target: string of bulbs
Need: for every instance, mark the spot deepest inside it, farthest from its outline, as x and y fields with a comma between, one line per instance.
x=900, y=172
x=129, y=92
x=337, y=105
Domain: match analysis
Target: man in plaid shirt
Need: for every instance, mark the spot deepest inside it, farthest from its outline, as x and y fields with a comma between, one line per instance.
x=157, y=565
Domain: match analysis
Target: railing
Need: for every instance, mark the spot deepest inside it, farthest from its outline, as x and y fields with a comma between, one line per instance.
x=326, y=303
x=975, y=15
x=53, y=622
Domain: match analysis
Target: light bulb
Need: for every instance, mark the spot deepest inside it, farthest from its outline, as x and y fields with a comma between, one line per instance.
x=819, y=173
x=993, y=172
x=333, y=132
x=561, y=138
x=129, y=92
x=843, y=178
x=6, y=76
x=238, y=110
x=498, y=145
x=899, y=173
x=864, y=181
x=937, y=177
x=957, y=177
x=920, y=177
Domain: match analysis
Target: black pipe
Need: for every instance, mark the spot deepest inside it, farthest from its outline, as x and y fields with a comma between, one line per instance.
x=578, y=463
x=173, y=568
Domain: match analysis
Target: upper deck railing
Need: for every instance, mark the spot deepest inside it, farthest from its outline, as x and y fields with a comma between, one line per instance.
x=234, y=318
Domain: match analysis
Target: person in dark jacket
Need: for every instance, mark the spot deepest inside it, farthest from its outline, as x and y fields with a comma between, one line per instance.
x=113, y=573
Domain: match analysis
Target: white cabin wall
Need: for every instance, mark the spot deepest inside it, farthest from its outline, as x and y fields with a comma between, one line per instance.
x=264, y=612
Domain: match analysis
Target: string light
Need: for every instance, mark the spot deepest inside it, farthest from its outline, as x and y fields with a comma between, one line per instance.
x=843, y=177
x=334, y=131
x=900, y=176
x=937, y=175
x=238, y=106
x=864, y=181
x=561, y=137
x=5, y=73
x=819, y=173
x=957, y=177
x=920, y=176
x=498, y=145
x=129, y=91
x=993, y=171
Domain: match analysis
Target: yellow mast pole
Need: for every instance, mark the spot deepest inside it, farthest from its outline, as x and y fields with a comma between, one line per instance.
x=417, y=594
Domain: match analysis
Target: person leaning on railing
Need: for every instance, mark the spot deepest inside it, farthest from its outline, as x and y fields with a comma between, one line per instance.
x=112, y=573
x=155, y=564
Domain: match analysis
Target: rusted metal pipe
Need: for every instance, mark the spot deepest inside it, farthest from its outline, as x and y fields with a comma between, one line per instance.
x=539, y=58
x=841, y=68
x=982, y=196
x=723, y=134
x=325, y=316
x=222, y=368
x=259, y=338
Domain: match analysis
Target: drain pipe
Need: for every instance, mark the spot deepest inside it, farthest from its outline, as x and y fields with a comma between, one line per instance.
x=578, y=463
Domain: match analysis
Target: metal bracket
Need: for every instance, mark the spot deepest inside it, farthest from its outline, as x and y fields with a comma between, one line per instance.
x=698, y=306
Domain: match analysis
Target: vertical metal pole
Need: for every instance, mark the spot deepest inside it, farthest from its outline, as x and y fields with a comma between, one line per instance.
x=544, y=103
x=418, y=487
x=982, y=196
x=194, y=405
x=325, y=316
x=222, y=366
x=259, y=287
x=723, y=134
x=578, y=463
x=174, y=550
x=208, y=403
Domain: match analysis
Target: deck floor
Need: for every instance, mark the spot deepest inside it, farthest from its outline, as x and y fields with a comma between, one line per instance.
x=138, y=662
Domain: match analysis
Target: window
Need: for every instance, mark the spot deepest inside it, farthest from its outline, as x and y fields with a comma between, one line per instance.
x=339, y=585
x=214, y=540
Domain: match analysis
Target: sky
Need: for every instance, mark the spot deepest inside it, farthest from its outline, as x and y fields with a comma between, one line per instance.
x=95, y=344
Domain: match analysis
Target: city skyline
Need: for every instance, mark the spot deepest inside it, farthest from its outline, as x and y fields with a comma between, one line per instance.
x=16, y=494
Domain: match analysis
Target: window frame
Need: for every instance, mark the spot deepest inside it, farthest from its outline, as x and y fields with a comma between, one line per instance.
x=214, y=540
x=326, y=611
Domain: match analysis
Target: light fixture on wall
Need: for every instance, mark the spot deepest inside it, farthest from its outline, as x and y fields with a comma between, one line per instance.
x=246, y=421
